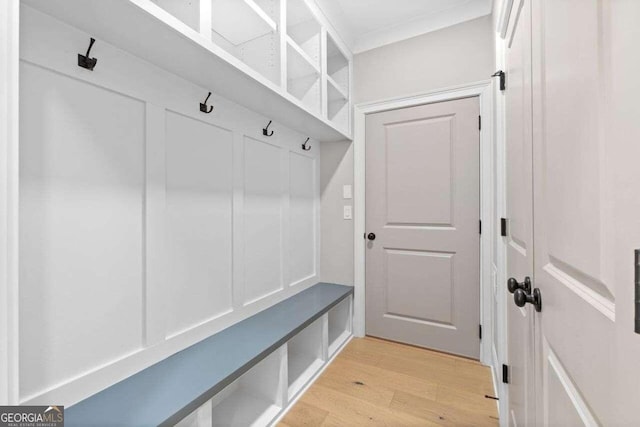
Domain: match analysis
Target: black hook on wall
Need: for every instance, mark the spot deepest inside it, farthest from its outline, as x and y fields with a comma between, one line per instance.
x=84, y=61
x=204, y=107
x=265, y=131
x=305, y=146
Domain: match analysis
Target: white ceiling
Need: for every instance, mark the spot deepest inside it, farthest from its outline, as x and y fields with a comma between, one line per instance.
x=367, y=24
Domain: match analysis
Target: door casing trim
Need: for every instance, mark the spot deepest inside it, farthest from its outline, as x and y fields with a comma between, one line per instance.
x=484, y=91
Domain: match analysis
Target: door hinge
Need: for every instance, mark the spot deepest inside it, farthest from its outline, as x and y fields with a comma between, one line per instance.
x=480, y=226
x=505, y=374
x=502, y=75
x=480, y=122
x=503, y=227
x=480, y=331
x=637, y=289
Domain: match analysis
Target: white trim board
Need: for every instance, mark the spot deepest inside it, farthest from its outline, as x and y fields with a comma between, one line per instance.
x=484, y=91
x=9, y=125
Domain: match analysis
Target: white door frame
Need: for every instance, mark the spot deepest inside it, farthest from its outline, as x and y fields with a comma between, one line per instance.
x=9, y=125
x=484, y=91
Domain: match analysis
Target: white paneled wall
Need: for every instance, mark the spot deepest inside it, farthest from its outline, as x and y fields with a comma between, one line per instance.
x=81, y=227
x=302, y=205
x=199, y=215
x=263, y=221
x=145, y=225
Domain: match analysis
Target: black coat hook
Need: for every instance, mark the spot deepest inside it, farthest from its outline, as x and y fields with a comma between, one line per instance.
x=204, y=107
x=265, y=131
x=305, y=146
x=84, y=61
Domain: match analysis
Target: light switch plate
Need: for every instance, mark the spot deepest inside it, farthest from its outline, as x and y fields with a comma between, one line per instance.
x=346, y=192
x=348, y=212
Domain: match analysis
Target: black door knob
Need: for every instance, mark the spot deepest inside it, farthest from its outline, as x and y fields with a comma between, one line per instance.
x=520, y=297
x=371, y=236
x=513, y=285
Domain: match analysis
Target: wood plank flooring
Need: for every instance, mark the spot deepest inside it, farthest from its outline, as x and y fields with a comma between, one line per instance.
x=380, y=383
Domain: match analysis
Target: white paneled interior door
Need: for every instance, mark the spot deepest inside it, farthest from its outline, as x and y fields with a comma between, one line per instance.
x=423, y=207
x=570, y=91
x=574, y=219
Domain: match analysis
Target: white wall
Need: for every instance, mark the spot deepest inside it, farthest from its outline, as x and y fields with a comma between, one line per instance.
x=337, y=233
x=455, y=55
x=145, y=225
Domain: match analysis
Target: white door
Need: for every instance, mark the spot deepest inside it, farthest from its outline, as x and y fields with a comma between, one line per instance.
x=422, y=214
x=576, y=162
x=519, y=211
x=582, y=86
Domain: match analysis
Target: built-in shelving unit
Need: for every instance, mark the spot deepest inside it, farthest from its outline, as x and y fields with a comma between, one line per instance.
x=249, y=51
x=304, y=356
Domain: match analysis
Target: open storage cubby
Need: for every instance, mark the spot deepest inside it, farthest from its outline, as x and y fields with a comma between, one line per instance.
x=339, y=325
x=304, y=356
x=248, y=30
x=337, y=67
x=303, y=78
x=337, y=105
x=303, y=31
x=337, y=85
x=186, y=11
x=254, y=399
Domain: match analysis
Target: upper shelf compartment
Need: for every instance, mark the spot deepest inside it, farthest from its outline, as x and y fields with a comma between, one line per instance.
x=247, y=30
x=240, y=21
x=242, y=62
x=337, y=66
x=303, y=30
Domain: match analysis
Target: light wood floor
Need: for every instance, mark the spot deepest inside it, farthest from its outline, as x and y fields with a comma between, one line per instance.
x=381, y=383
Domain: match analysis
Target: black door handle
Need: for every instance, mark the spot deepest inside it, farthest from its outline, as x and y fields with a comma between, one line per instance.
x=513, y=285
x=520, y=297
x=371, y=236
